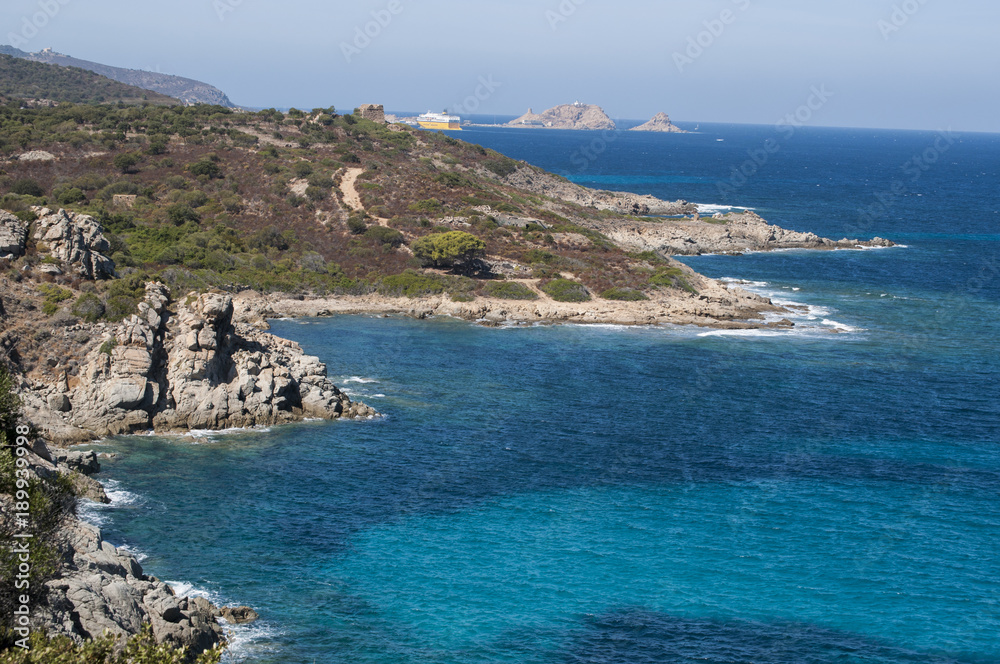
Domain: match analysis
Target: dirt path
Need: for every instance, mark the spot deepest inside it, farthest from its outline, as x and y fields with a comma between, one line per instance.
x=351, y=196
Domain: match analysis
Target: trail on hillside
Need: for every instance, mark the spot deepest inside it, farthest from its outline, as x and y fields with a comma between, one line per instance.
x=351, y=196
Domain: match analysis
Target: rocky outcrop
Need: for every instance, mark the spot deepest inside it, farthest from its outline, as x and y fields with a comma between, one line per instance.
x=729, y=234
x=541, y=182
x=660, y=123
x=190, y=369
x=567, y=116
x=239, y=615
x=99, y=587
x=76, y=240
x=36, y=155
x=13, y=235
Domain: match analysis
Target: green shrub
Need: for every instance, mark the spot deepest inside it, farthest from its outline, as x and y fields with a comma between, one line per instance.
x=357, y=225
x=451, y=249
x=316, y=193
x=671, y=277
x=126, y=161
x=501, y=167
x=564, y=290
x=205, y=167
x=108, y=346
x=509, y=290
x=141, y=648
x=26, y=187
x=386, y=236
x=53, y=297
x=181, y=213
x=412, y=284
x=123, y=296
x=533, y=256
x=428, y=206
x=452, y=180
x=302, y=169
x=463, y=297
x=69, y=196
x=89, y=307
x=624, y=295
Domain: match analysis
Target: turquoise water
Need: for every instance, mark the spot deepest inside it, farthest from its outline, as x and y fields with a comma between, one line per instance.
x=607, y=494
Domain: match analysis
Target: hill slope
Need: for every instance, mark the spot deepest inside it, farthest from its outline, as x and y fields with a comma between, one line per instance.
x=187, y=90
x=23, y=79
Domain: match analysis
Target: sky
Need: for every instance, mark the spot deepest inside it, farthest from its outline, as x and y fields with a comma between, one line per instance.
x=906, y=64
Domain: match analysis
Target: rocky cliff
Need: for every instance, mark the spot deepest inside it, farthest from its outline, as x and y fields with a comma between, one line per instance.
x=660, y=123
x=181, y=367
x=567, y=116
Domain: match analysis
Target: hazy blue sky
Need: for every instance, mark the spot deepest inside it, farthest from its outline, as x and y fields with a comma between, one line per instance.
x=937, y=70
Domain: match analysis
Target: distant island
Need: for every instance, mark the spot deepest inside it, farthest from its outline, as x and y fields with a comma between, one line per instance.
x=567, y=116
x=587, y=117
x=660, y=123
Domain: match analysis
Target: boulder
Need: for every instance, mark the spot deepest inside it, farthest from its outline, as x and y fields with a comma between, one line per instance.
x=239, y=615
x=76, y=240
x=13, y=235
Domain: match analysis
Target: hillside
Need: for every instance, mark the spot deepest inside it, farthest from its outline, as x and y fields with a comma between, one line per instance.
x=187, y=90
x=26, y=80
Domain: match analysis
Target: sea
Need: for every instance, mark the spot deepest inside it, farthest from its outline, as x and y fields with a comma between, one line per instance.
x=628, y=495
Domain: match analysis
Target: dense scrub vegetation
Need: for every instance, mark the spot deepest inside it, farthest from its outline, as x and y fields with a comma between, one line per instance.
x=208, y=197
x=23, y=79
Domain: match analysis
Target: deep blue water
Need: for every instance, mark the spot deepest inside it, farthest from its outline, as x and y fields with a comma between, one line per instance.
x=611, y=495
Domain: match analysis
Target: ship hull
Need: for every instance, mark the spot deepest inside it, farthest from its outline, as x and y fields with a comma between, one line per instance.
x=427, y=124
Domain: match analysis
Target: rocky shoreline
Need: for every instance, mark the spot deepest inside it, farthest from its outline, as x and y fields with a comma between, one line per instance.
x=736, y=233
x=101, y=588
x=716, y=305
x=174, y=367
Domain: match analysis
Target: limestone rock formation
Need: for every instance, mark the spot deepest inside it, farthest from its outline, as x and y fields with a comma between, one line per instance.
x=75, y=239
x=567, y=116
x=660, y=123
x=189, y=369
x=13, y=235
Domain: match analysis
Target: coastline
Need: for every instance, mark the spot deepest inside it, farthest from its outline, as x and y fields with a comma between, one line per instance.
x=717, y=305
